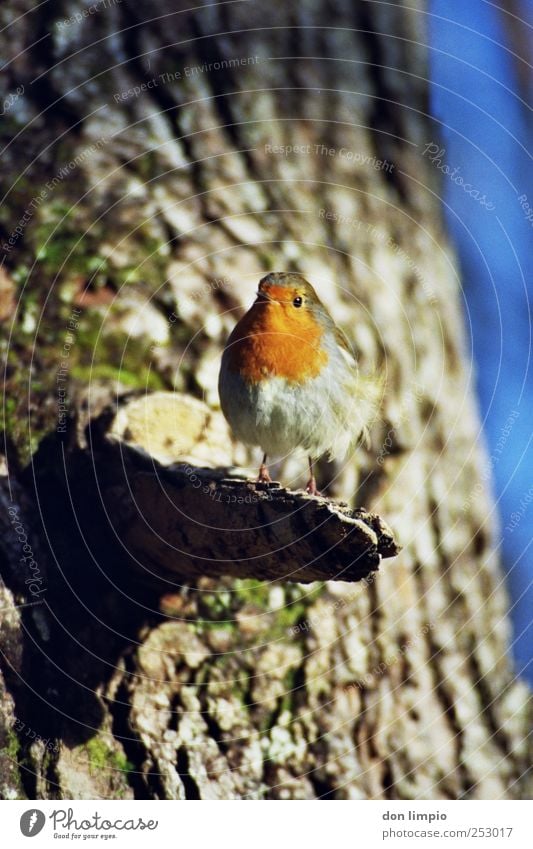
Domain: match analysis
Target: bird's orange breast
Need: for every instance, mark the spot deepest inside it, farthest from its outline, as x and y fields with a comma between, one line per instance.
x=270, y=342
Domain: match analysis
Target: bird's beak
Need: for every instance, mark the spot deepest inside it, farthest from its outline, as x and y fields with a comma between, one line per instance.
x=264, y=298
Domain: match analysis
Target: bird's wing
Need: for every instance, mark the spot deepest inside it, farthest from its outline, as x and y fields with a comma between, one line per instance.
x=346, y=348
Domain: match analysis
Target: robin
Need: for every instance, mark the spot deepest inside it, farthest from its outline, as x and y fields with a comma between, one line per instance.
x=288, y=377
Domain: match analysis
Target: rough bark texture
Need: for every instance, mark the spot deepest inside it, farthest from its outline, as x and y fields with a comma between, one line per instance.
x=399, y=687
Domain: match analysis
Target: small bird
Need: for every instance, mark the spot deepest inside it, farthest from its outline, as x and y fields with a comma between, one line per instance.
x=288, y=378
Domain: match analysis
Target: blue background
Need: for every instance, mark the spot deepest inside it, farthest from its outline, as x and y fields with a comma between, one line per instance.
x=476, y=93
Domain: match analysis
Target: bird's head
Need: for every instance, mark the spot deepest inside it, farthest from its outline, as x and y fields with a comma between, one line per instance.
x=290, y=291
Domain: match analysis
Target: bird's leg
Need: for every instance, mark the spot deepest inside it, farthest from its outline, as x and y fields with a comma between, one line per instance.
x=263, y=476
x=311, y=483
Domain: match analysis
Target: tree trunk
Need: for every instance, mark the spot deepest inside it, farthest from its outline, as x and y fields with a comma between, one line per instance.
x=166, y=160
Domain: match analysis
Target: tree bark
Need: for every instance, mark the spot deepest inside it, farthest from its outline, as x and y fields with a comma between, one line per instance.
x=160, y=138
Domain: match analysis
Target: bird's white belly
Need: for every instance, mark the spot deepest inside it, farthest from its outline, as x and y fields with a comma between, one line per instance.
x=279, y=415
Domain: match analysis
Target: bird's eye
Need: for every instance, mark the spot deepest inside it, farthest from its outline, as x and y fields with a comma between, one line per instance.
x=298, y=301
